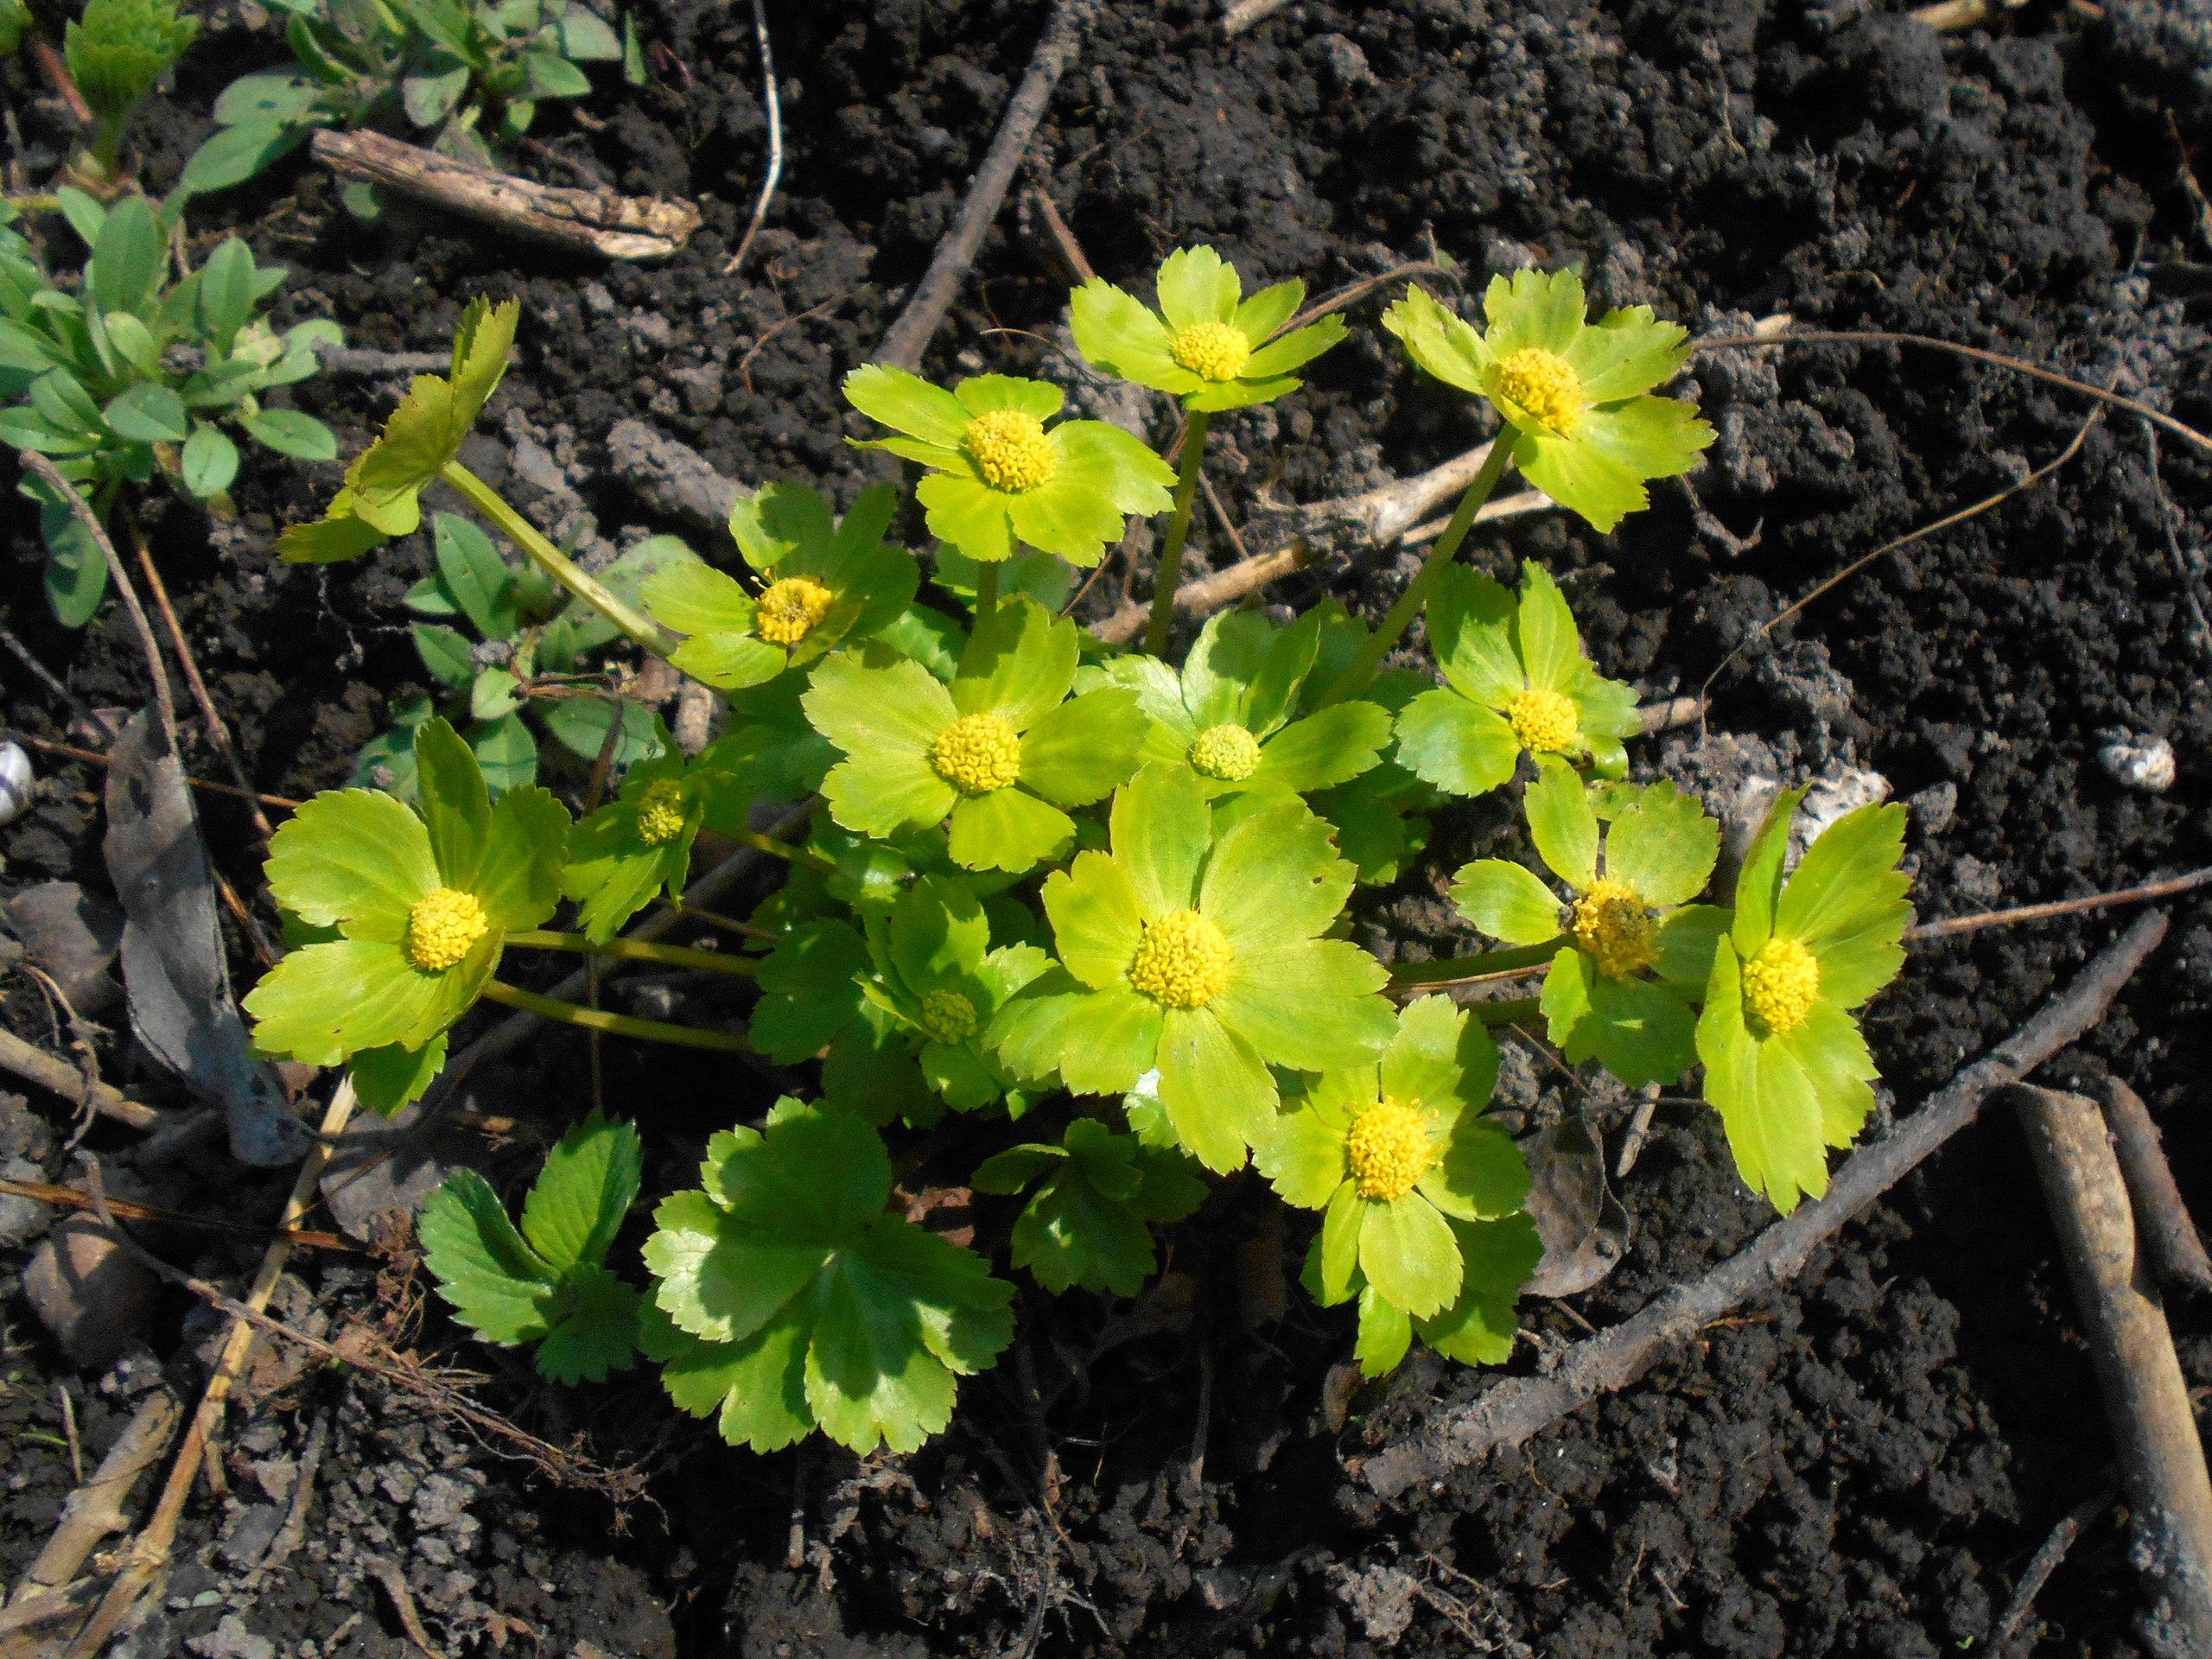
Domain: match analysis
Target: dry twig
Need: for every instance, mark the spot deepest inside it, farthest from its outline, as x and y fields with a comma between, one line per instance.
x=49, y=1073
x=584, y=221
x=2146, y=1397
x=96, y=1509
x=2169, y=1238
x=2169, y=888
x=906, y=339
x=775, y=109
x=1510, y=1412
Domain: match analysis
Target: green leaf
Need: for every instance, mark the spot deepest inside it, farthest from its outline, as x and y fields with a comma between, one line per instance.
x=587, y=37
x=789, y=1236
x=1087, y=1223
x=1097, y=919
x=351, y=856
x=810, y=990
x=1019, y=665
x=234, y=153
x=1197, y=285
x=429, y=98
x=1006, y=829
x=128, y=258
x=1562, y=823
x=1159, y=829
x=476, y=576
x=1759, y=884
x=210, y=462
x=76, y=569
x=445, y=653
x=1078, y=753
x=1459, y=746
x=1506, y=901
x=148, y=413
x=1408, y=1254
x=1215, y=1087
x=1385, y=1333
x=507, y=752
x=1302, y=1156
x=594, y=1327
x=288, y=432
x=456, y=806
x=1662, y=845
x=391, y=1078
x=1497, y=1258
x=1846, y=903
x=1769, y=1106
x=589, y=1182
x=496, y=1284
x=1336, y=744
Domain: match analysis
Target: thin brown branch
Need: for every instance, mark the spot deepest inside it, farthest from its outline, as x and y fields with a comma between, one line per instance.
x=68, y=1197
x=2150, y=890
x=1979, y=354
x=909, y=336
x=2045, y=1562
x=775, y=109
x=50, y=475
x=1352, y=293
x=1946, y=522
x=59, y=1076
x=1512, y=1411
x=2171, y=1243
x=95, y=1509
x=283, y=803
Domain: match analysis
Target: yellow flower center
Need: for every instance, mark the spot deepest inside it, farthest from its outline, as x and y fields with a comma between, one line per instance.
x=1011, y=450
x=660, y=813
x=1212, y=351
x=1389, y=1150
x=1544, y=721
x=441, y=926
x=948, y=1016
x=1227, y=752
x=1183, y=960
x=978, y=753
x=1781, y=984
x=1543, y=384
x=789, y=610
x=1612, y=923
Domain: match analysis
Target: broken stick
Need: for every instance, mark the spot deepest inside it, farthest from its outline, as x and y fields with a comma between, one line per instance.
x=2169, y=1238
x=584, y=221
x=2146, y=1397
x=1511, y=1411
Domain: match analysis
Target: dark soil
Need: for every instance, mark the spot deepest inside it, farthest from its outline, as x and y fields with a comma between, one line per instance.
x=1860, y=1465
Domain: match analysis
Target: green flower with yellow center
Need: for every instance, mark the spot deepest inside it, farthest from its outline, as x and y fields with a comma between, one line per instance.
x=997, y=755
x=1000, y=476
x=638, y=847
x=896, y=1013
x=1231, y=713
x=1200, y=956
x=1633, y=951
x=1515, y=681
x=827, y=581
x=416, y=906
x=1397, y=1155
x=1785, y=1064
x=1586, y=429
x=1206, y=344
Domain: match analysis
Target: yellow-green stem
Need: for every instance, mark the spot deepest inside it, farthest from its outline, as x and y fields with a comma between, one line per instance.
x=784, y=850
x=1361, y=672
x=615, y=1025
x=672, y=956
x=1506, y=1011
x=1169, y=572
x=1454, y=969
x=638, y=630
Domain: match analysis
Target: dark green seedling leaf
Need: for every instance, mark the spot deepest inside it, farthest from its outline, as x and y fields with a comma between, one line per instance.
x=548, y=1283
x=791, y=1299
x=1098, y=1196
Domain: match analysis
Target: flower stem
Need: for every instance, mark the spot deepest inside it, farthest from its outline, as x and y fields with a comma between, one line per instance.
x=1169, y=571
x=638, y=630
x=1361, y=671
x=784, y=850
x=987, y=592
x=672, y=956
x=615, y=1025
x=1452, y=971
x=1504, y=1012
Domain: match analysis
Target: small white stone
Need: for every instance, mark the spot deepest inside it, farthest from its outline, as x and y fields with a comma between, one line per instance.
x=2143, y=761
x=17, y=785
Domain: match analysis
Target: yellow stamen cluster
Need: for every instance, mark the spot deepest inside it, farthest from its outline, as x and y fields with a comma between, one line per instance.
x=1227, y=752
x=1781, y=984
x=1212, y=351
x=444, y=923
x=1183, y=960
x=978, y=753
x=789, y=610
x=1612, y=923
x=1545, y=385
x=660, y=813
x=1546, y=721
x=1387, y=1151
x=1011, y=450
x=948, y=1016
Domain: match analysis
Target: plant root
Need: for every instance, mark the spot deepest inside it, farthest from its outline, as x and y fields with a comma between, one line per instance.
x=2169, y=1238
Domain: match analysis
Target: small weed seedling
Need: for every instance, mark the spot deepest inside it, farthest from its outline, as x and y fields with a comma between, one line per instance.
x=117, y=53
x=133, y=374
x=1095, y=903
x=467, y=77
